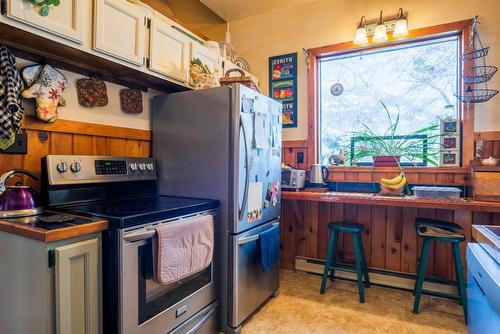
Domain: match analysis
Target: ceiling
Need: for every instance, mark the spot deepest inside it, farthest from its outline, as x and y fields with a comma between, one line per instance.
x=232, y=10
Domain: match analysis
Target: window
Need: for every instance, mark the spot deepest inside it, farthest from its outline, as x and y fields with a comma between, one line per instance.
x=417, y=80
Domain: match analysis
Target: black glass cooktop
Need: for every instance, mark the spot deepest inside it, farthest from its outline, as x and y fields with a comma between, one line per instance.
x=134, y=211
x=50, y=220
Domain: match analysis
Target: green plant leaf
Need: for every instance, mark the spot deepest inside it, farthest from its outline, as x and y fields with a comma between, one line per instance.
x=44, y=10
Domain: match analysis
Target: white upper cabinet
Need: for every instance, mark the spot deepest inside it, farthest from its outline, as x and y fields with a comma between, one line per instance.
x=169, y=51
x=68, y=20
x=208, y=57
x=119, y=30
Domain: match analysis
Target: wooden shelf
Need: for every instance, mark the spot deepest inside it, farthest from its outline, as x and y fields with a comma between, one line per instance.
x=43, y=50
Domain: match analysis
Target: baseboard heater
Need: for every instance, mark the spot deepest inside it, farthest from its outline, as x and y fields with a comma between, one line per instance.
x=390, y=279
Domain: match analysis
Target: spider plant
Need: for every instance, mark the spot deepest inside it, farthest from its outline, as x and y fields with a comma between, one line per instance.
x=389, y=143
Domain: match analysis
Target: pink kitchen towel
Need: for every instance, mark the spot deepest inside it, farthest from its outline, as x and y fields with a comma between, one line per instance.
x=183, y=248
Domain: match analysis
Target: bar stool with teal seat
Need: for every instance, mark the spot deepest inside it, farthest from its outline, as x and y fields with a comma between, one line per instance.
x=359, y=254
x=435, y=230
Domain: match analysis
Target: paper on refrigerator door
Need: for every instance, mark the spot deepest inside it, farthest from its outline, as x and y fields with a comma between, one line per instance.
x=260, y=136
x=254, y=211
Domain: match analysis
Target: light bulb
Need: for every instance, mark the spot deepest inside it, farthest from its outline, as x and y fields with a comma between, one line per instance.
x=401, y=26
x=360, y=37
x=380, y=34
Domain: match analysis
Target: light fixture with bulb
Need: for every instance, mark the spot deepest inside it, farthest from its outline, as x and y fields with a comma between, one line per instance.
x=361, y=37
x=380, y=34
x=401, y=25
x=379, y=28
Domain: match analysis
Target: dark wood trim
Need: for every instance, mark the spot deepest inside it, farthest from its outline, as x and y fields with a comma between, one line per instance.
x=466, y=109
x=415, y=34
x=460, y=28
x=89, y=129
x=487, y=135
x=420, y=170
x=294, y=143
x=373, y=199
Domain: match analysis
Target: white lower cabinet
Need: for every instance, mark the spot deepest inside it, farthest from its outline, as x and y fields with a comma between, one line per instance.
x=120, y=30
x=67, y=20
x=169, y=51
x=50, y=288
x=77, y=279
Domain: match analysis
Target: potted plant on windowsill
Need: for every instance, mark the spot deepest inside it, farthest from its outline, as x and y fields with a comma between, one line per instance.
x=388, y=148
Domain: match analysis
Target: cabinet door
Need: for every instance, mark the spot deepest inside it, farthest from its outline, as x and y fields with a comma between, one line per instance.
x=68, y=20
x=207, y=57
x=77, y=287
x=169, y=51
x=120, y=30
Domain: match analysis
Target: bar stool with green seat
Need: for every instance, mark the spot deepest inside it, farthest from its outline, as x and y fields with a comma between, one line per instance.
x=359, y=255
x=435, y=230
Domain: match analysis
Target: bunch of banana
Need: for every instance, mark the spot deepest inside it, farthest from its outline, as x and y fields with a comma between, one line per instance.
x=393, y=186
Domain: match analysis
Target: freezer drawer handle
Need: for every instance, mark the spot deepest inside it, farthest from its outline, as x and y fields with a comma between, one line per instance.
x=251, y=238
x=246, y=240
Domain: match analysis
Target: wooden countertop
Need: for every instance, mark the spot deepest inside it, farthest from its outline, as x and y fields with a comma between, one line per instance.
x=40, y=234
x=406, y=201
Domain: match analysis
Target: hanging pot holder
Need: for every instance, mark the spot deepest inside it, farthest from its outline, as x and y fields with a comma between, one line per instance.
x=92, y=93
x=131, y=101
x=30, y=73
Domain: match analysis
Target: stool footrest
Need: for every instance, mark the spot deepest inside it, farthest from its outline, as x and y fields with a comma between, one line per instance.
x=350, y=270
x=441, y=294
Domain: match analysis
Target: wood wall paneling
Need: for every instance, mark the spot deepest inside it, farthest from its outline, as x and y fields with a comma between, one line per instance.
x=69, y=137
x=390, y=239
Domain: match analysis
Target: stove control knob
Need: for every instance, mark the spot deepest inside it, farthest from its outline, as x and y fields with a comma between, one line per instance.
x=62, y=167
x=142, y=166
x=75, y=167
x=149, y=166
x=133, y=166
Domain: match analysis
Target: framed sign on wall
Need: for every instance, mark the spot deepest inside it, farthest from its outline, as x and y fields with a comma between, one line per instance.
x=283, y=86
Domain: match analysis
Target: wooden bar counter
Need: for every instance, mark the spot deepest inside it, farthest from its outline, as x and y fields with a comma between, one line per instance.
x=390, y=238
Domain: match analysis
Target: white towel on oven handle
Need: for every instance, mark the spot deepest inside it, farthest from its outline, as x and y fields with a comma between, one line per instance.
x=183, y=248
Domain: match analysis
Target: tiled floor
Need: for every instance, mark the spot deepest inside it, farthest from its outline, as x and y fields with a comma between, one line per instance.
x=299, y=308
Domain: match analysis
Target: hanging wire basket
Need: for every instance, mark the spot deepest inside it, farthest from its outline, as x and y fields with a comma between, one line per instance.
x=476, y=46
x=476, y=95
x=479, y=74
x=480, y=53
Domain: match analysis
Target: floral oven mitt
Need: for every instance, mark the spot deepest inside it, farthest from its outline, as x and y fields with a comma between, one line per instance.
x=47, y=86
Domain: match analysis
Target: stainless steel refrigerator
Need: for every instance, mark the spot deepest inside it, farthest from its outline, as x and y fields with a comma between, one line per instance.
x=225, y=143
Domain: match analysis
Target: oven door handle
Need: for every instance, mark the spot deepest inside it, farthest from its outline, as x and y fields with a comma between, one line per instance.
x=202, y=322
x=141, y=235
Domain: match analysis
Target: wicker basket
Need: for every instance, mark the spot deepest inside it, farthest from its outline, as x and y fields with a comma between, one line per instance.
x=242, y=79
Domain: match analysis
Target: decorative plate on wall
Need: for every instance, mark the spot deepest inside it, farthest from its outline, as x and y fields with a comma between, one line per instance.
x=337, y=89
x=242, y=63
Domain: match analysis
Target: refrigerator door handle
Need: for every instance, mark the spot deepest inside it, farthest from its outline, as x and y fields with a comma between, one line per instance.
x=251, y=238
x=247, y=174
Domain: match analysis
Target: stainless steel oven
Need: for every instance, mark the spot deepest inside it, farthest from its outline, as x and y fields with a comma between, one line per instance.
x=148, y=307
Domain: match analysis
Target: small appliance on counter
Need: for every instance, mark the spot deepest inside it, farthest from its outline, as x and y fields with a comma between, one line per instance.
x=292, y=179
x=317, y=176
x=483, y=280
x=18, y=200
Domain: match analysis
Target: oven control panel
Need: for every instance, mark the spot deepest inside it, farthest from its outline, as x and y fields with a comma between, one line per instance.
x=110, y=167
x=75, y=169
